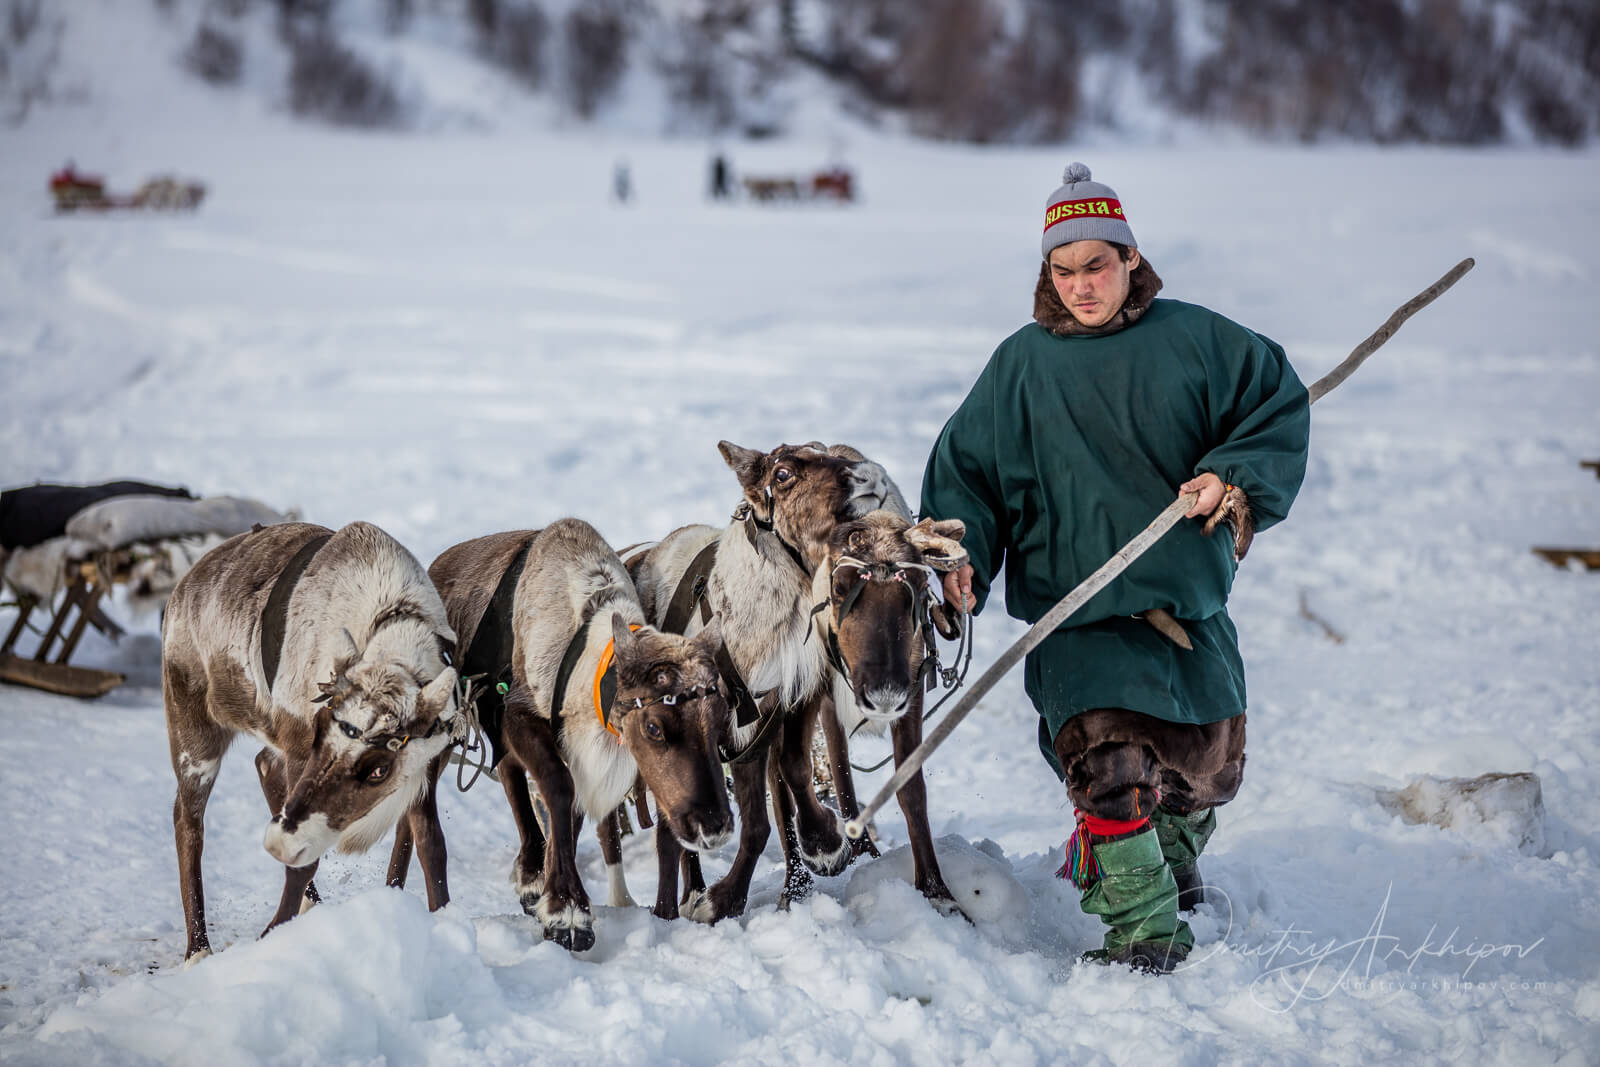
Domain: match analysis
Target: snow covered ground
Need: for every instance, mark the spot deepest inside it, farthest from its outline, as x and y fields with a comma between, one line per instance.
x=455, y=335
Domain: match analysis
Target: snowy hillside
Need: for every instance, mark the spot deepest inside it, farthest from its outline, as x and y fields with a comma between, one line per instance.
x=1466, y=72
x=461, y=333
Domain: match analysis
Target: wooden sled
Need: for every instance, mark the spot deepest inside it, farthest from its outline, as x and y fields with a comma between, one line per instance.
x=79, y=609
x=1589, y=557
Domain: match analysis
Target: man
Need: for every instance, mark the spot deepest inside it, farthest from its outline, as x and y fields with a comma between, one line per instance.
x=1083, y=426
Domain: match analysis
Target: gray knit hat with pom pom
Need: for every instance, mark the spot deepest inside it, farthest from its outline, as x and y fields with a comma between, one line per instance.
x=1082, y=210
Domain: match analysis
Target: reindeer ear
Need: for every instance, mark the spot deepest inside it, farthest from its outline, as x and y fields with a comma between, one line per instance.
x=623, y=639
x=746, y=462
x=435, y=699
x=709, y=639
x=939, y=541
x=345, y=654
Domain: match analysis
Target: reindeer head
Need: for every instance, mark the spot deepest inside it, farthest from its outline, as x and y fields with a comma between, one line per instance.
x=798, y=491
x=673, y=717
x=873, y=592
x=362, y=762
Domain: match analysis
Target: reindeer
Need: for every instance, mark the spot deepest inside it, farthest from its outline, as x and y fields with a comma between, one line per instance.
x=756, y=575
x=575, y=624
x=332, y=649
x=875, y=593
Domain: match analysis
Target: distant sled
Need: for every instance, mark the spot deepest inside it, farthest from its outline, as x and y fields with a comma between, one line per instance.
x=73, y=191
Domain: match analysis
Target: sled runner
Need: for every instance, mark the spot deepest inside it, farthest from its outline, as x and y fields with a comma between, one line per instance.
x=66, y=547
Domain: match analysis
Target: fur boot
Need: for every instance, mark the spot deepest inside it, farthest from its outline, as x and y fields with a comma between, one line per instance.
x=1131, y=888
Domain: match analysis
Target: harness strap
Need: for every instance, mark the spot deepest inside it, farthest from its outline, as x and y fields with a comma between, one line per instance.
x=605, y=684
x=764, y=736
x=569, y=663
x=491, y=654
x=275, y=615
x=691, y=590
x=752, y=525
x=745, y=710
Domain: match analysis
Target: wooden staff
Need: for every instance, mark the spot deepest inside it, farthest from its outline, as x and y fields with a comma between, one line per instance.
x=1120, y=562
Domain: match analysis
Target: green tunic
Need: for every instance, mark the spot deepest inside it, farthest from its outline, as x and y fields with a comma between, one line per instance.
x=1067, y=447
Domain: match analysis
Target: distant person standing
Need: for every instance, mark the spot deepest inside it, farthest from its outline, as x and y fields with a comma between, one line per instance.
x=622, y=182
x=719, y=177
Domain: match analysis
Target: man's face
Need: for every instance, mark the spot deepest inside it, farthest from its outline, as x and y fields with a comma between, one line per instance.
x=1091, y=279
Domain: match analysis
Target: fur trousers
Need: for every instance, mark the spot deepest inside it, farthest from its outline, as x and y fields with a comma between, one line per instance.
x=1120, y=764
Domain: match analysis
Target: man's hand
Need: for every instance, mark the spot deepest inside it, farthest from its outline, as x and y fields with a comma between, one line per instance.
x=958, y=589
x=1210, y=488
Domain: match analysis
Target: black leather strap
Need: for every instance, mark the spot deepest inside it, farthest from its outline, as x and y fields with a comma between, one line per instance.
x=691, y=591
x=493, y=649
x=569, y=663
x=275, y=616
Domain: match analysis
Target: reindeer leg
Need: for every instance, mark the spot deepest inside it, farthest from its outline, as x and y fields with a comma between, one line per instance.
x=669, y=854
x=823, y=846
x=297, y=895
x=527, y=873
x=694, y=880
x=844, y=786
x=563, y=907
x=913, y=797
x=196, y=744
x=609, y=831
x=399, y=856
x=273, y=774
x=732, y=892
x=405, y=837
x=797, y=883
x=422, y=824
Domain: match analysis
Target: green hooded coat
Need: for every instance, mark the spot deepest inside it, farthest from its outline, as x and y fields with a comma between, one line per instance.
x=1068, y=446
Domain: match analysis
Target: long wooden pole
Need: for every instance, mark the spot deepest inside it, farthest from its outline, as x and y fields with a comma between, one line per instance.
x=1120, y=562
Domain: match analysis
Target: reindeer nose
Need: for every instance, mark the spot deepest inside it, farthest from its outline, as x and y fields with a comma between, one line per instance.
x=282, y=847
x=884, y=701
x=710, y=829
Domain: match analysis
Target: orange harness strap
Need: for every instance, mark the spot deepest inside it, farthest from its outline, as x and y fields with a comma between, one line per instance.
x=600, y=669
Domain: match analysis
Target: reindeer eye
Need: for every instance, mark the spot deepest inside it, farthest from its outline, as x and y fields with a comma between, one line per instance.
x=378, y=773
x=782, y=475
x=349, y=731
x=652, y=730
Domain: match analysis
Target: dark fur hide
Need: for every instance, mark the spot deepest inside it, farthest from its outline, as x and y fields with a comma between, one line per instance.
x=1120, y=763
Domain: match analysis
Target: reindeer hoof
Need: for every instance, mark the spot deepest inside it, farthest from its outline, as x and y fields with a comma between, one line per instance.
x=697, y=906
x=702, y=905
x=946, y=905
x=529, y=890
x=196, y=956
x=823, y=856
x=572, y=938
x=570, y=926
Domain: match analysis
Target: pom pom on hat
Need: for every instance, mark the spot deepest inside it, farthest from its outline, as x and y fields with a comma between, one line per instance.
x=1084, y=210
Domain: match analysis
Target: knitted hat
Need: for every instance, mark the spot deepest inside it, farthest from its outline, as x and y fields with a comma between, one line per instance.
x=1082, y=210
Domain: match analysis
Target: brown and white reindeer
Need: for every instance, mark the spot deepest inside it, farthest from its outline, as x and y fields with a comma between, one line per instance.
x=874, y=591
x=332, y=649
x=597, y=701
x=756, y=575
